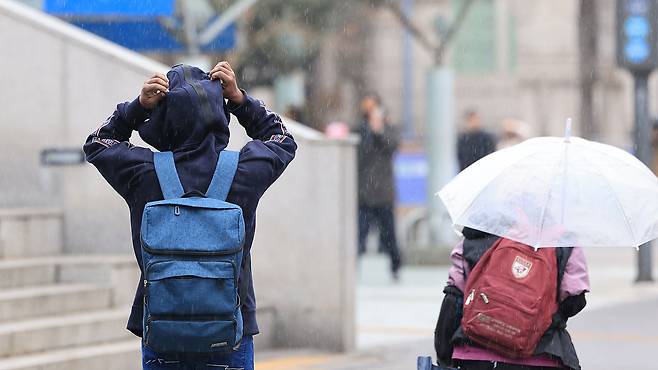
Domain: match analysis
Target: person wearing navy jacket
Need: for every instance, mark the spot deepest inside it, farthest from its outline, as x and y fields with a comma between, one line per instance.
x=171, y=121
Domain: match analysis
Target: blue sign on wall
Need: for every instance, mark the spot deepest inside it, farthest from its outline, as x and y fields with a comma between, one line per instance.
x=149, y=35
x=143, y=35
x=133, y=8
x=411, y=179
x=134, y=24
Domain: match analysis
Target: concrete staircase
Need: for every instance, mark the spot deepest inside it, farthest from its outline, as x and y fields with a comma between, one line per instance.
x=61, y=312
x=67, y=312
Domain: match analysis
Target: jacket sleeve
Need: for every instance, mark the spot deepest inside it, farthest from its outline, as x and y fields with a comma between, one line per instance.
x=447, y=324
x=272, y=147
x=575, y=283
x=451, y=308
x=108, y=148
x=576, y=277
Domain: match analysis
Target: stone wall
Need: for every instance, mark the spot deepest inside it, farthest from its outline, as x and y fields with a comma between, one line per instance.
x=62, y=83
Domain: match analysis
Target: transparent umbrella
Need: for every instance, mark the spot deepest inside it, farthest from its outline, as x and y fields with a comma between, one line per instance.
x=551, y=191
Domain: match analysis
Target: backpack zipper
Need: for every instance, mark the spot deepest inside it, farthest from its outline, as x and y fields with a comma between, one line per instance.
x=470, y=298
x=151, y=264
x=228, y=317
x=146, y=330
x=170, y=252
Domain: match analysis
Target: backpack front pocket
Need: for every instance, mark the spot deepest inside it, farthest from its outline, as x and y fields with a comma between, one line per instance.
x=203, y=336
x=187, y=289
x=498, y=321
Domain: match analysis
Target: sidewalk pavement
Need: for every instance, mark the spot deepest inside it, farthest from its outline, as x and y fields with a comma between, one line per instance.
x=617, y=330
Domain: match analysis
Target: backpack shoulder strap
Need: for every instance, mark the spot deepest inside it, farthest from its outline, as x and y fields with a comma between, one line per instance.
x=562, y=254
x=475, y=248
x=227, y=164
x=165, y=169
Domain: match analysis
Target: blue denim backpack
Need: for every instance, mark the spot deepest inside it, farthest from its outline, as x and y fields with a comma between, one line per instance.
x=192, y=252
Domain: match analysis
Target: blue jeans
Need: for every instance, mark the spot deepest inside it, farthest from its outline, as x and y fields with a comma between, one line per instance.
x=241, y=359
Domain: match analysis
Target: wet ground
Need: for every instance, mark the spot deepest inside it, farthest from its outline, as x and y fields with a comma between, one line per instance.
x=395, y=321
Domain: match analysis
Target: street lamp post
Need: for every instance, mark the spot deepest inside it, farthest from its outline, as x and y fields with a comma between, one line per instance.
x=637, y=28
x=644, y=153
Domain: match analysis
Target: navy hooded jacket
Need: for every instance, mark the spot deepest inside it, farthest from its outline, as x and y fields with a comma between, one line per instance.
x=196, y=134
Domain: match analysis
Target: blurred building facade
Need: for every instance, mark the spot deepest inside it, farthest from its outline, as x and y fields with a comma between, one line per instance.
x=511, y=58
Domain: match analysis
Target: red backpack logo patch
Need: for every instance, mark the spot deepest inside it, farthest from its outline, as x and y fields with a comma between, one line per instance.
x=511, y=298
x=521, y=267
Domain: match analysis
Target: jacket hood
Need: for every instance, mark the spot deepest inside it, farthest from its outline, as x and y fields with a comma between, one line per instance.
x=192, y=110
x=472, y=234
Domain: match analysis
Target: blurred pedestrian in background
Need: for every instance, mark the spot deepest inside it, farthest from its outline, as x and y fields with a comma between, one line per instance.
x=513, y=131
x=474, y=143
x=379, y=142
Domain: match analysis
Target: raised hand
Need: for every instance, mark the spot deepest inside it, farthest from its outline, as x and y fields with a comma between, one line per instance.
x=153, y=90
x=224, y=73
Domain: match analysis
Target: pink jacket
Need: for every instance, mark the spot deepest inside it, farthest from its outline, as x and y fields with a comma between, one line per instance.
x=574, y=282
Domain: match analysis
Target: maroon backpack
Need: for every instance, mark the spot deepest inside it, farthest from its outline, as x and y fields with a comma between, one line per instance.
x=510, y=298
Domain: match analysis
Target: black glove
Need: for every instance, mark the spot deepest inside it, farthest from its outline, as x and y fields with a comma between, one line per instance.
x=448, y=322
x=572, y=305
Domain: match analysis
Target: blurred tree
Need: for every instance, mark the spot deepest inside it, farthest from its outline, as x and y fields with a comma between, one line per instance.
x=284, y=35
x=588, y=30
x=280, y=37
x=438, y=50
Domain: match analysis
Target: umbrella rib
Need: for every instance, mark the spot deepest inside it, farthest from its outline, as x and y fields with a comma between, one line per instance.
x=607, y=182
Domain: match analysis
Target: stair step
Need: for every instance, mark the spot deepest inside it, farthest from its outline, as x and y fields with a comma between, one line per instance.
x=49, y=270
x=123, y=355
x=30, y=232
x=46, y=300
x=55, y=332
x=24, y=273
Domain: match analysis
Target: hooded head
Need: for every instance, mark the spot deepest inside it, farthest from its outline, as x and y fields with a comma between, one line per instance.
x=192, y=110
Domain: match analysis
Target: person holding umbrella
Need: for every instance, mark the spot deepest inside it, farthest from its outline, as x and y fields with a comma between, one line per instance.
x=555, y=348
x=522, y=211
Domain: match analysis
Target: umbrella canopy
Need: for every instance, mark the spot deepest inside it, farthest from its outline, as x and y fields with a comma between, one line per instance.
x=550, y=191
